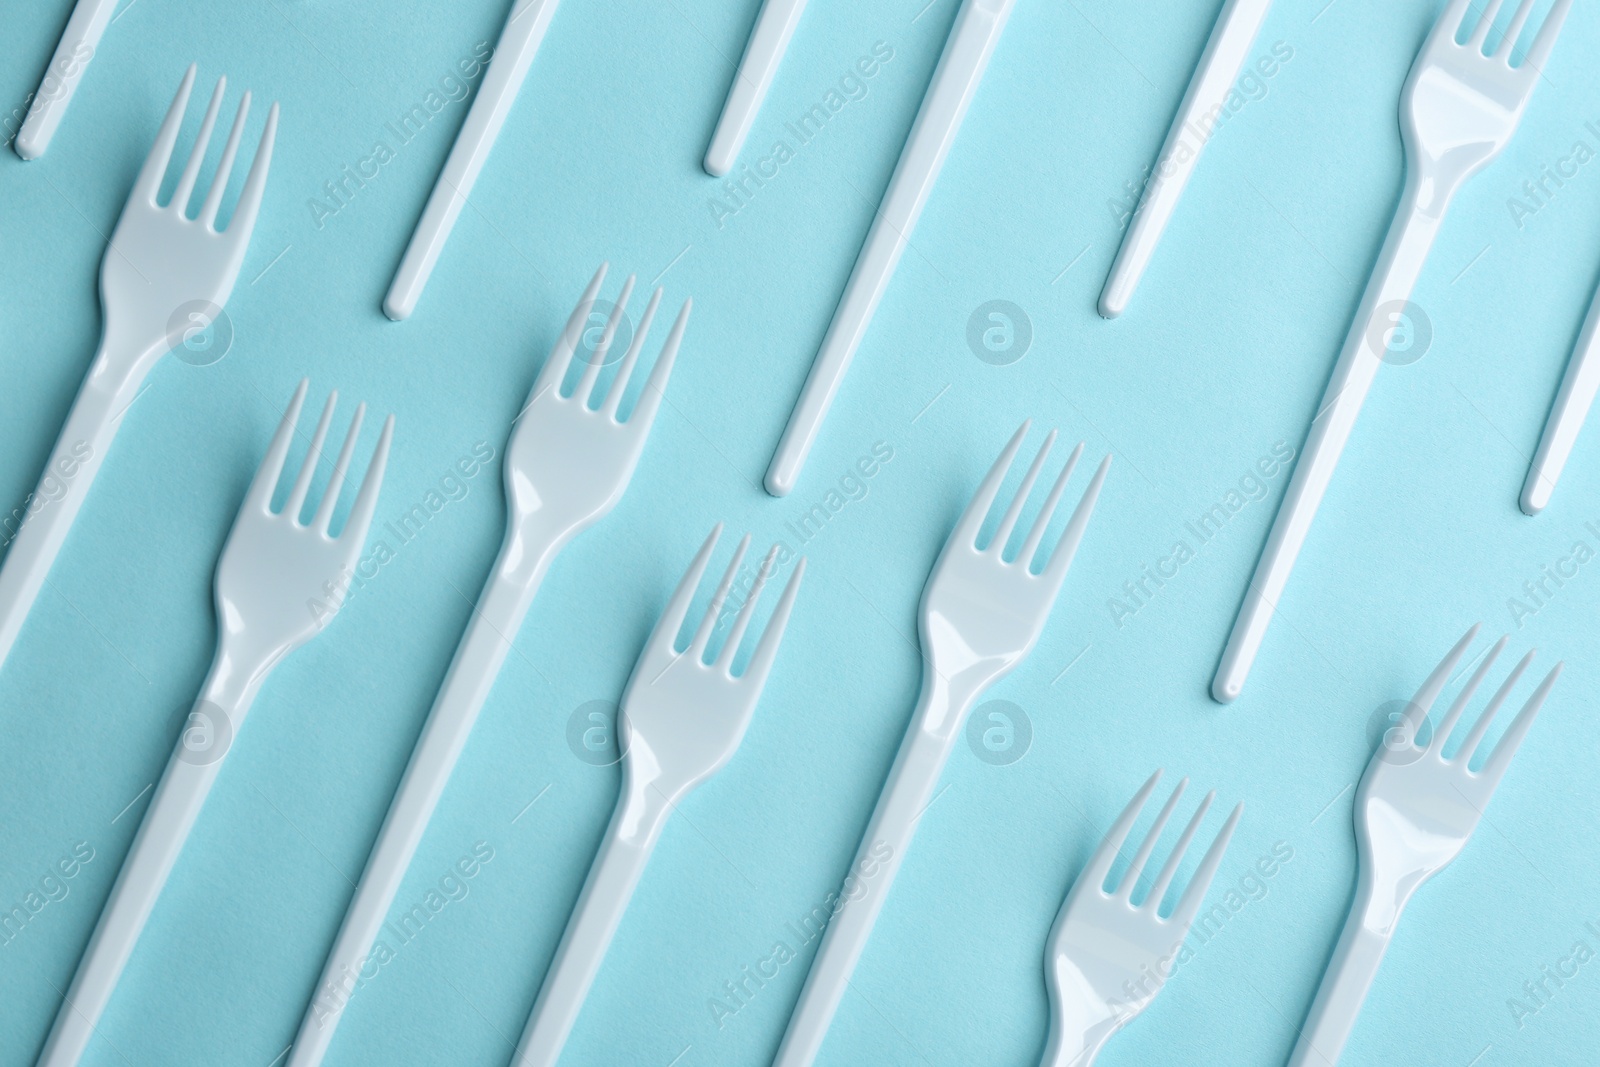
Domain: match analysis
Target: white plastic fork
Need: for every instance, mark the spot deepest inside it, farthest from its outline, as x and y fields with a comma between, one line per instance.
x=682, y=719
x=1567, y=414
x=1458, y=110
x=768, y=41
x=161, y=267
x=513, y=54
x=271, y=597
x=1107, y=958
x=1214, y=77
x=1414, y=812
x=981, y=615
x=67, y=66
x=566, y=466
x=955, y=81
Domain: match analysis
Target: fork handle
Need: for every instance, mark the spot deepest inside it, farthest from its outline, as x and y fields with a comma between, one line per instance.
x=229, y=690
x=934, y=729
x=78, y=43
x=635, y=827
x=1411, y=236
x=1344, y=986
x=524, y=557
x=48, y=512
x=954, y=83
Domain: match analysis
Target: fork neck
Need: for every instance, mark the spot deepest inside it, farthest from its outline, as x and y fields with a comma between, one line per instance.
x=125, y=356
x=946, y=699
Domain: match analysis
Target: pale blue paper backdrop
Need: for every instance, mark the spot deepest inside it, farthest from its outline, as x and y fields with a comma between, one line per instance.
x=1222, y=355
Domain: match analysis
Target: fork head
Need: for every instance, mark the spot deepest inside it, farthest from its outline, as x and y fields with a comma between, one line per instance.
x=1415, y=807
x=1108, y=957
x=684, y=713
x=1460, y=107
x=982, y=612
x=570, y=457
x=280, y=580
x=164, y=272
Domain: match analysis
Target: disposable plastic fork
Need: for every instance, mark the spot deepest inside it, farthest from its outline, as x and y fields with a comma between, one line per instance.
x=162, y=274
x=1458, y=109
x=567, y=464
x=955, y=81
x=981, y=615
x=1415, y=810
x=768, y=41
x=271, y=597
x=1192, y=127
x=513, y=55
x=683, y=716
x=1107, y=957
x=1572, y=405
x=78, y=43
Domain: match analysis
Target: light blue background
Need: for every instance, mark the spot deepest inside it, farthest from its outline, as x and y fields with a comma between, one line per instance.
x=1224, y=352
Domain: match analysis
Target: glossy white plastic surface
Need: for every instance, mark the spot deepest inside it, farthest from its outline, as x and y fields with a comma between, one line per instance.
x=981, y=614
x=1572, y=405
x=1213, y=81
x=48, y=105
x=1459, y=108
x=955, y=81
x=162, y=273
x=513, y=55
x=565, y=468
x=682, y=718
x=1414, y=812
x=768, y=41
x=272, y=571
x=1107, y=958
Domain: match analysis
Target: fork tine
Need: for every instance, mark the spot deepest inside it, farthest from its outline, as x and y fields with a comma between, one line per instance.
x=330, y=495
x=1170, y=869
x=1451, y=717
x=1539, y=50
x=1514, y=30
x=584, y=390
x=1485, y=24
x=760, y=664
x=249, y=205
x=677, y=609
x=308, y=467
x=1495, y=767
x=361, y=511
x=971, y=521
x=1481, y=727
x=730, y=647
x=266, y=479
x=619, y=384
x=702, y=635
x=1008, y=521
x=197, y=154
x=655, y=386
x=1130, y=877
x=1110, y=845
x=1031, y=546
x=1195, y=894
x=1424, y=698
x=219, y=182
x=1068, y=546
x=560, y=358
x=148, y=184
